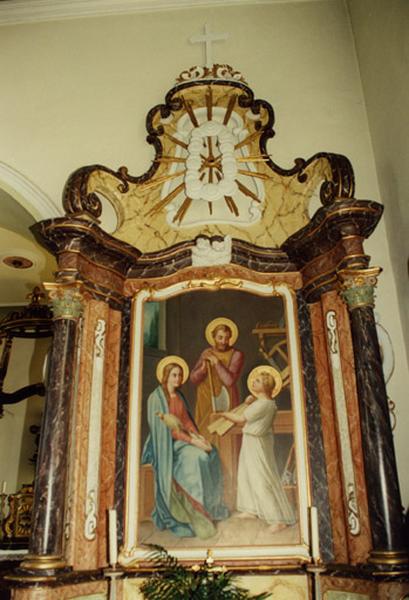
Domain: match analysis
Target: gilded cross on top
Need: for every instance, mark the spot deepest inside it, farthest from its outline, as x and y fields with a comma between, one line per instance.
x=208, y=38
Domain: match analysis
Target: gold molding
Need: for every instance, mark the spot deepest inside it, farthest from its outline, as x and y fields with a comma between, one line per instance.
x=43, y=563
x=389, y=557
x=332, y=277
x=226, y=272
x=30, y=578
x=343, y=259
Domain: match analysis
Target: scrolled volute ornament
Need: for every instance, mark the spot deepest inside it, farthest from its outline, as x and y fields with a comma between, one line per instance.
x=341, y=185
x=81, y=202
x=77, y=201
x=222, y=72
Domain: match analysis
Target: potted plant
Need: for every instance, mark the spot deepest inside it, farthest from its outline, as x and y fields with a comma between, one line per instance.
x=171, y=580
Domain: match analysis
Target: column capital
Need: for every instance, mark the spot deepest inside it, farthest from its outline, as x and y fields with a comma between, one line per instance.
x=66, y=298
x=358, y=286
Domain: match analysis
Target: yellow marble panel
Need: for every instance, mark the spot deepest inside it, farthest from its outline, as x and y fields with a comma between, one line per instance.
x=281, y=200
x=281, y=587
x=334, y=595
x=90, y=597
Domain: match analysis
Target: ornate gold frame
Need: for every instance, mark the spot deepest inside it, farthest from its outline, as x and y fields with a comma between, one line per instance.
x=133, y=556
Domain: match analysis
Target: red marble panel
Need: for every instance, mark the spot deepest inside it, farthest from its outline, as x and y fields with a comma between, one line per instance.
x=109, y=278
x=83, y=553
x=359, y=545
x=329, y=434
x=327, y=262
x=91, y=271
x=392, y=591
x=343, y=584
x=108, y=442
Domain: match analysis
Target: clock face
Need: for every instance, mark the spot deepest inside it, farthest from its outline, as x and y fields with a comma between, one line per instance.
x=211, y=176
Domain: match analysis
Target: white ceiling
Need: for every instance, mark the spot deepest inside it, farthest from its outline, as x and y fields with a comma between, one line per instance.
x=25, y=11
x=16, y=239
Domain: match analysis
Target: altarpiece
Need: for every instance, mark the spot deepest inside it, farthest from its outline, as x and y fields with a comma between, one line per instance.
x=217, y=272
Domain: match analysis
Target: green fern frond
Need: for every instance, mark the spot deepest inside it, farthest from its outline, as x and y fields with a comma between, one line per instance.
x=173, y=581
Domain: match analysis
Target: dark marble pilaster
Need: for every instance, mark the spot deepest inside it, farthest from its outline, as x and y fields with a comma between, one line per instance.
x=122, y=419
x=315, y=440
x=384, y=501
x=46, y=555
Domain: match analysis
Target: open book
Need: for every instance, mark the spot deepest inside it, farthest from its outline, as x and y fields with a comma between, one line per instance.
x=221, y=425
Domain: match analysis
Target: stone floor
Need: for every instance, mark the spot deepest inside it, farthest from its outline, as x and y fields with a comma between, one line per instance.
x=234, y=531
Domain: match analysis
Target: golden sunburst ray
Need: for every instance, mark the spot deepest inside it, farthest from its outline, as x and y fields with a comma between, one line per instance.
x=232, y=205
x=162, y=203
x=183, y=208
x=254, y=174
x=170, y=159
x=190, y=112
x=259, y=158
x=150, y=184
x=229, y=109
x=209, y=103
x=176, y=141
x=248, y=139
x=245, y=190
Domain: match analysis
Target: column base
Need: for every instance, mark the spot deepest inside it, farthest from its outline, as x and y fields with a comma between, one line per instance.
x=389, y=562
x=36, y=568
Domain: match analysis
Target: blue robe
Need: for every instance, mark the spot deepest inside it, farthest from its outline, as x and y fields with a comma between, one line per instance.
x=188, y=480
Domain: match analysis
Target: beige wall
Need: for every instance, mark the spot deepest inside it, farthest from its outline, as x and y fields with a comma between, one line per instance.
x=76, y=92
x=16, y=442
x=381, y=33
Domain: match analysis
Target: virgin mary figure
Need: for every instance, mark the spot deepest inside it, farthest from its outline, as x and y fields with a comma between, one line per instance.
x=187, y=470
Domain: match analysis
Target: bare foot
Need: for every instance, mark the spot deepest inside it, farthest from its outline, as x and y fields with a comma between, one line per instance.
x=245, y=515
x=277, y=527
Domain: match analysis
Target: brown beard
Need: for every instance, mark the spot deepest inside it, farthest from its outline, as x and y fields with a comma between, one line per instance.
x=222, y=349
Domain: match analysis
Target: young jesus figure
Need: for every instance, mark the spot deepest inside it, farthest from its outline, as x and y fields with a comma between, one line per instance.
x=259, y=489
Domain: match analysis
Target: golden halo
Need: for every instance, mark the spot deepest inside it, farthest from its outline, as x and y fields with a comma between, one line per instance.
x=278, y=381
x=221, y=321
x=164, y=362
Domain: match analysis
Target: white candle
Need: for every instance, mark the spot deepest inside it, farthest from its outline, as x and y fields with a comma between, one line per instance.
x=113, y=544
x=315, y=537
x=3, y=486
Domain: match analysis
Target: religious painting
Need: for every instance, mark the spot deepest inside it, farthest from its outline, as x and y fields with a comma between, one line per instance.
x=153, y=325
x=216, y=453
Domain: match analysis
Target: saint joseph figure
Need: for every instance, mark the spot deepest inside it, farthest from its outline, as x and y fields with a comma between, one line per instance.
x=216, y=373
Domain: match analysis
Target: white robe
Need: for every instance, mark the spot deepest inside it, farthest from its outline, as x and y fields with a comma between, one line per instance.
x=260, y=491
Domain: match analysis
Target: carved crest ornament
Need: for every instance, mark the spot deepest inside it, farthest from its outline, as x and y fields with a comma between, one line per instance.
x=214, y=197
x=212, y=174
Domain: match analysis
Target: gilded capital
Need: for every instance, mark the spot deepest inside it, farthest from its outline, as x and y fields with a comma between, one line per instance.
x=358, y=286
x=66, y=299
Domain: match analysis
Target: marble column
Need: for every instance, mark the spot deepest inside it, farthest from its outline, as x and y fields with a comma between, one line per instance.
x=46, y=554
x=384, y=501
